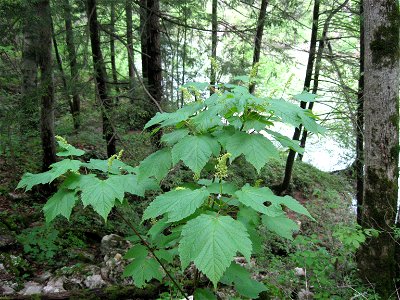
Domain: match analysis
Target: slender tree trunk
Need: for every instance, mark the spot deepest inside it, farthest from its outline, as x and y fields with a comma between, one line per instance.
x=154, y=52
x=360, y=123
x=129, y=40
x=318, y=60
x=258, y=39
x=184, y=52
x=46, y=84
x=100, y=73
x=381, y=112
x=143, y=38
x=307, y=85
x=30, y=99
x=214, y=41
x=74, y=71
x=112, y=50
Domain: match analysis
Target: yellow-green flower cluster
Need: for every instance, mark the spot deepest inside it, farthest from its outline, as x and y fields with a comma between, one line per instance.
x=221, y=167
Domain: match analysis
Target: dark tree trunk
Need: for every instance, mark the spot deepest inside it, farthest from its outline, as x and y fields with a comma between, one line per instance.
x=214, y=41
x=69, y=38
x=143, y=38
x=376, y=257
x=258, y=39
x=129, y=41
x=154, y=52
x=307, y=85
x=318, y=60
x=46, y=84
x=112, y=49
x=100, y=73
x=30, y=99
x=359, y=164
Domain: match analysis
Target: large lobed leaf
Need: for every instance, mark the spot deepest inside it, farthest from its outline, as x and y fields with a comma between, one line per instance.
x=177, y=204
x=61, y=203
x=211, y=242
x=195, y=151
x=256, y=148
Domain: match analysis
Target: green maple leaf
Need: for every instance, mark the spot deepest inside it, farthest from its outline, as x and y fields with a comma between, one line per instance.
x=241, y=278
x=101, y=195
x=142, y=269
x=281, y=225
x=62, y=167
x=305, y=97
x=257, y=149
x=156, y=165
x=286, y=142
x=61, y=203
x=204, y=294
x=177, y=204
x=195, y=151
x=288, y=112
x=29, y=180
x=175, y=136
x=131, y=184
x=255, y=198
x=69, y=150
x=102, y=165
x=211, y=242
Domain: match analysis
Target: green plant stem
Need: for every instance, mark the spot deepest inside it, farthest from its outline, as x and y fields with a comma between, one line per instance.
x=152, y=253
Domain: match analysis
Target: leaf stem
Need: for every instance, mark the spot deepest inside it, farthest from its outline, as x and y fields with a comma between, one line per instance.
x=146, y=244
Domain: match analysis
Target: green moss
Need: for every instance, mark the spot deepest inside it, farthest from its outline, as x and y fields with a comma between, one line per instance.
x=394, y=120
x=385, y=45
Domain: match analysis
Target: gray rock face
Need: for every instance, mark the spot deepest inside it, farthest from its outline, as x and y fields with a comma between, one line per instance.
x=94, y=281
x=55, y=285
x=7, y=288
x=112, y=244
x=31, y=288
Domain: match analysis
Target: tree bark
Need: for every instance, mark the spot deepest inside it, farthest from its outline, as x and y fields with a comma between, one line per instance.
x=381, y=112
x=30, y=99
x=359, y=164
x=258, y=39
x=154, y=52
x=129, y=41
x=100, y=74
x=214, y=41
x=44, y=56
x=112, y=50
x=307, y=85
x=318, y=60
x=74, y=71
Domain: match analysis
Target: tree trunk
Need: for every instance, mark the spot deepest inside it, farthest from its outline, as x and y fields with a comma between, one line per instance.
x=69, y=38
x=154, y=52
x=214, y=41
x=318, y=60
x=258, y=39
x=143, y=38
x=129, y=41
x=100, y=73
x=30, y=99
x=46, y=84
x=359, y=164
x=112, y=50
x=307, y=84
x=381, y=112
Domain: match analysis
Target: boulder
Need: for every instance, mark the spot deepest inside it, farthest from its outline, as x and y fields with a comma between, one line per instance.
x=31, y=288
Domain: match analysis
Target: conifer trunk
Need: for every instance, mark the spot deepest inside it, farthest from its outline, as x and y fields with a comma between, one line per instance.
x=258, y=38
x=214, y=41
x=307, y=85
x=100, y=74
x=73, y=64
x=376, y=257
x=44, y=56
